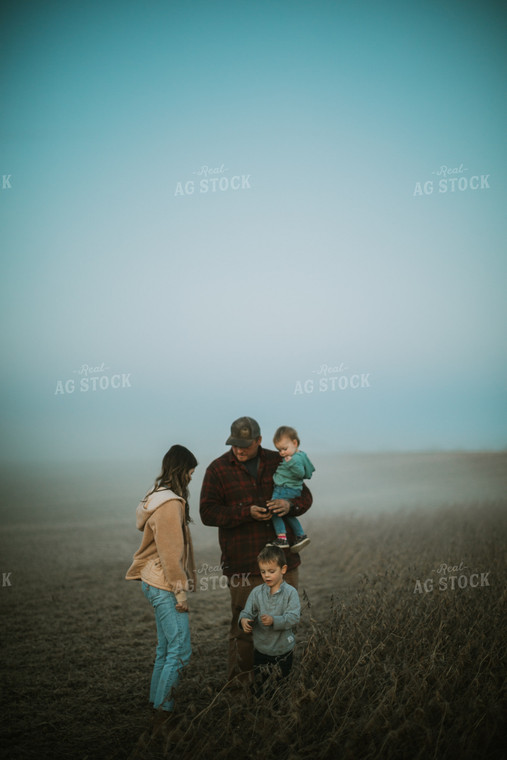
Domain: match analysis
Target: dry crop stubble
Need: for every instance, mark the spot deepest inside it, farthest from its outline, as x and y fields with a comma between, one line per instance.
x=382, y=670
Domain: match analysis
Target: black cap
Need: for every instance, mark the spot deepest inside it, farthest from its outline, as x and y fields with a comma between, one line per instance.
x=244, y=432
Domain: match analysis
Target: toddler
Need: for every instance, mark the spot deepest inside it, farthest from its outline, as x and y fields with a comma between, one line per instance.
x=288, y=484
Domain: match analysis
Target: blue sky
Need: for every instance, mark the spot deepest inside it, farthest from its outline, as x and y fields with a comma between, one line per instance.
x=323, y=121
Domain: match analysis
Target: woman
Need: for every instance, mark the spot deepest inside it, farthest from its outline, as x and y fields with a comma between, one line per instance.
x=165, y=564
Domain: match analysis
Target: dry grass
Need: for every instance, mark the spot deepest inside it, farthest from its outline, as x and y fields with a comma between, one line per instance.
x=381, y=671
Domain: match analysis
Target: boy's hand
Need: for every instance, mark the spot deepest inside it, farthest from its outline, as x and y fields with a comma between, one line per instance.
x=246, y=624
x=266, y=620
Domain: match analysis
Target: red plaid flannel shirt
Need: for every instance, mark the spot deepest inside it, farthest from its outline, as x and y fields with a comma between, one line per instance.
x=228, y=492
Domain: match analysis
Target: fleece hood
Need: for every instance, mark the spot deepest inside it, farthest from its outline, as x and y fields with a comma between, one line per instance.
x=151, y=502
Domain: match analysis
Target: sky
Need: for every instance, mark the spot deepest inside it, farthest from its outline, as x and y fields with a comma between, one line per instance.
x=288, y=210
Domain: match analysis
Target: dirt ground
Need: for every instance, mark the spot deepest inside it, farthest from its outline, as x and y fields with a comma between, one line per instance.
x=418, y=665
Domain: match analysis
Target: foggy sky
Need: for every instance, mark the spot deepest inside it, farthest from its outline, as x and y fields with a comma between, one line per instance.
x=357, y=235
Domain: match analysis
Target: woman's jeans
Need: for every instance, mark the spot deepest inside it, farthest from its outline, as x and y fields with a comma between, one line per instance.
x=173, y=649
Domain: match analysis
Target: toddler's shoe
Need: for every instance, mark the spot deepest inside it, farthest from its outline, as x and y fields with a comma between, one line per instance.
x=301, y=542
x=280, y=542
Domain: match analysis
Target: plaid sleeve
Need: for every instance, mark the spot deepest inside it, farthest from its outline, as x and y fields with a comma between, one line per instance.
x=216, y=493
x=302, y=504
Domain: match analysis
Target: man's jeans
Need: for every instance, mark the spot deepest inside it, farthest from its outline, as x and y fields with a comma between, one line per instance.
x=173, y=649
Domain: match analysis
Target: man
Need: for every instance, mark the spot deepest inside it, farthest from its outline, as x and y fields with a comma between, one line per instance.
x=236, y=497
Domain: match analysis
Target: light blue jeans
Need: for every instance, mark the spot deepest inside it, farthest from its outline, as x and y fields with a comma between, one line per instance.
x=173, y=648
x=283, y=492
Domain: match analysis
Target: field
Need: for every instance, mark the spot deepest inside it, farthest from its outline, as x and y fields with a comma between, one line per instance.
x=400, y=653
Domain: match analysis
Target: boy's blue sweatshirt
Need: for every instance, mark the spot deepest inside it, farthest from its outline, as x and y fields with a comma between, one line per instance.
x=285, y=609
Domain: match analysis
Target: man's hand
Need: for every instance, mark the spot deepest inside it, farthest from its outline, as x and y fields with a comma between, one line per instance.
x=182, y=607
x=266, y=620
x=246, y=624
x=259, y=513
x=280, y=507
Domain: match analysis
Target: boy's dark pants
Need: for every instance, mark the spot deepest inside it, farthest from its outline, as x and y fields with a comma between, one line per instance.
x=240, y=643
x=264, y=663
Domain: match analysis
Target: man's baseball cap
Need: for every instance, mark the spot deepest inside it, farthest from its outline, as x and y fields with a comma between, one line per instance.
x=243, y=432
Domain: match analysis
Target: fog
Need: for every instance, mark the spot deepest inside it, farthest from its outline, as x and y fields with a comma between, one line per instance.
x=292, y=211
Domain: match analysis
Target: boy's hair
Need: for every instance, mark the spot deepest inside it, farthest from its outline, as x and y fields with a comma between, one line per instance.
x=284, y=431
x=272, y=554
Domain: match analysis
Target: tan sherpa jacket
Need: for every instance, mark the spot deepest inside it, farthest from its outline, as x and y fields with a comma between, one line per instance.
x=165, y=558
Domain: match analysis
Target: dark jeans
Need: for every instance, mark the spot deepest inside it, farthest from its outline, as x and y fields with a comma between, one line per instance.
x=264, y=664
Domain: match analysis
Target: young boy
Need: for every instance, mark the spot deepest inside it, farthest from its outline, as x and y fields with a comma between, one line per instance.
x=288, y=484
x=271, y=612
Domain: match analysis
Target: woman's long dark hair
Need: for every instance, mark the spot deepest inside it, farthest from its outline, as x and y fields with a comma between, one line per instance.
x=176, y=466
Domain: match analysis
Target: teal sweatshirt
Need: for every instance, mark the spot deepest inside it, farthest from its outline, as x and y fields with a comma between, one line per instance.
x=292, y=473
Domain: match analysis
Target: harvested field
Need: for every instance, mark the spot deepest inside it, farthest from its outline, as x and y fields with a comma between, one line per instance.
x=397, y=655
